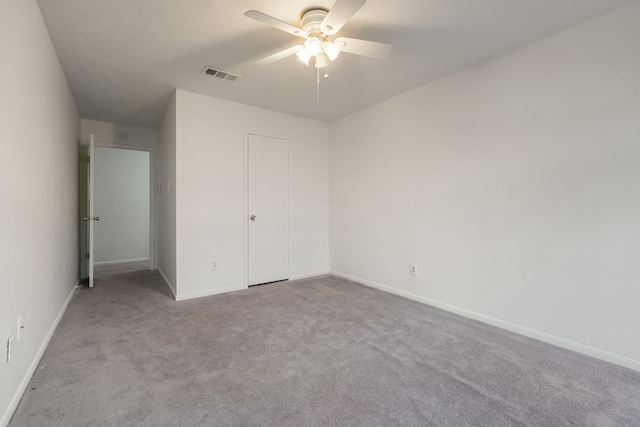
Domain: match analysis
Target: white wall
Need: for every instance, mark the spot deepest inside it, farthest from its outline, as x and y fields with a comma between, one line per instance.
x=122, y=202
x=166, y=196
x=210, y=179
x=39, y=134
x=514, y=186
x=108, y=134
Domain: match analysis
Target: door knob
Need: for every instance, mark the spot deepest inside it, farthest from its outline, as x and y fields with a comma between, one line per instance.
x=91, y=218
x=252, y=217
x=97, y=218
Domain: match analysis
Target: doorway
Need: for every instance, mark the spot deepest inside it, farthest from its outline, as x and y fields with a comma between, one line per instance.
x=123, y=236
x=268, y=209
x=123, y=202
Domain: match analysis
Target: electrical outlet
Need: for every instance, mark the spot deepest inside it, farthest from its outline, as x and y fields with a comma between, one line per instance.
x=9, y=347
x=20, y=327
x=413, y=270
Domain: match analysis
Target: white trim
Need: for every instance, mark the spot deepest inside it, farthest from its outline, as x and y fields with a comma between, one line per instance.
x=122, y=261
x=210, y=292
x=309, y=275
x=245, y=221
x=109, y=143
x=231, y=288
x=25, y=381
x=91, y=199
x=289, y=205
x=167, y=283
x=522, y=330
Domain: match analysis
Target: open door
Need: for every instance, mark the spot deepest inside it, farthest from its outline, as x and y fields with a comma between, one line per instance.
x=90, y=217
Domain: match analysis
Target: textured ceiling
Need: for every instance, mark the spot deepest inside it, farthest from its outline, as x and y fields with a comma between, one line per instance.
x=124, y=58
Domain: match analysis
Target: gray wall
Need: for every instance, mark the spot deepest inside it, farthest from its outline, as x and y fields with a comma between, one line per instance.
x=39, y=135
x=122, y=192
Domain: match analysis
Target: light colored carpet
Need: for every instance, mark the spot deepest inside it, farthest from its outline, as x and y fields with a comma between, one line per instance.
x=102, y=271
x=313, y=352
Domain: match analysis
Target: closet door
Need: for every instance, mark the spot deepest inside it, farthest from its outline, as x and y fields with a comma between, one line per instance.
x=268, y=209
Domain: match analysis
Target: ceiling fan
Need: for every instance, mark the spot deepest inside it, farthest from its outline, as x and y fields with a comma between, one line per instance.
x=318, y=26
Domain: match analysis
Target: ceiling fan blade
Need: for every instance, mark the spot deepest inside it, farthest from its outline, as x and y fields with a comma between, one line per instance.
x=270, y=20
x=364, y=47
x=339, y=14
x=278, y=56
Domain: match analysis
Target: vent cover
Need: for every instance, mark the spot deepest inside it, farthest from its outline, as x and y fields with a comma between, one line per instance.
x=219, y=74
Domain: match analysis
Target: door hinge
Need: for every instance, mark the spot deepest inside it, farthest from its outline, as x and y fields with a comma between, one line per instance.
x=87, y=255
x=88, y=159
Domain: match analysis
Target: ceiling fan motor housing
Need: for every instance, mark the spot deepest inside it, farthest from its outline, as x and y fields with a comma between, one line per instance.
x=312, y=20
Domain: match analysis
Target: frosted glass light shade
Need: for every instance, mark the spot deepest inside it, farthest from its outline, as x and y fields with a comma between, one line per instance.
x=331, y=49
x=303, y=55
x=313, y=46
x=321, y=61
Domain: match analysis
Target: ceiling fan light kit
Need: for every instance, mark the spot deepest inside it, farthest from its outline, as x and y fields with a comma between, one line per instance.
x=313, y=46
x=303, y=55
x=322, y=61
x=317, y=27
x=331, y=49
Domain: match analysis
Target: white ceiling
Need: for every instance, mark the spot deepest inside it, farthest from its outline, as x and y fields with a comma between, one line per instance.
x=124, y=58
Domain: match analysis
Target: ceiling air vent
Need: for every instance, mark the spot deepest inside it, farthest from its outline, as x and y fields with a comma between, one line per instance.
x=219, y=74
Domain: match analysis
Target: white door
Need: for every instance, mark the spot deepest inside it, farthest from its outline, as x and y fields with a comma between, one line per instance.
x=90, y=218
x=268, y=209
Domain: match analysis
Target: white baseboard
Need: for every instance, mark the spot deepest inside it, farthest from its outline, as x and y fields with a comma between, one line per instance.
x=210, y=292
x=193, y=295
x=4, y=421
x=217, y=291
x=168, y=284
x=122, y=261
x=531, y=333
x=308, y=275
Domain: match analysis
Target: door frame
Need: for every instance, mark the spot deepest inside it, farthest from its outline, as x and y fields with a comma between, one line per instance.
x=245, y=221
x=152, y=193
